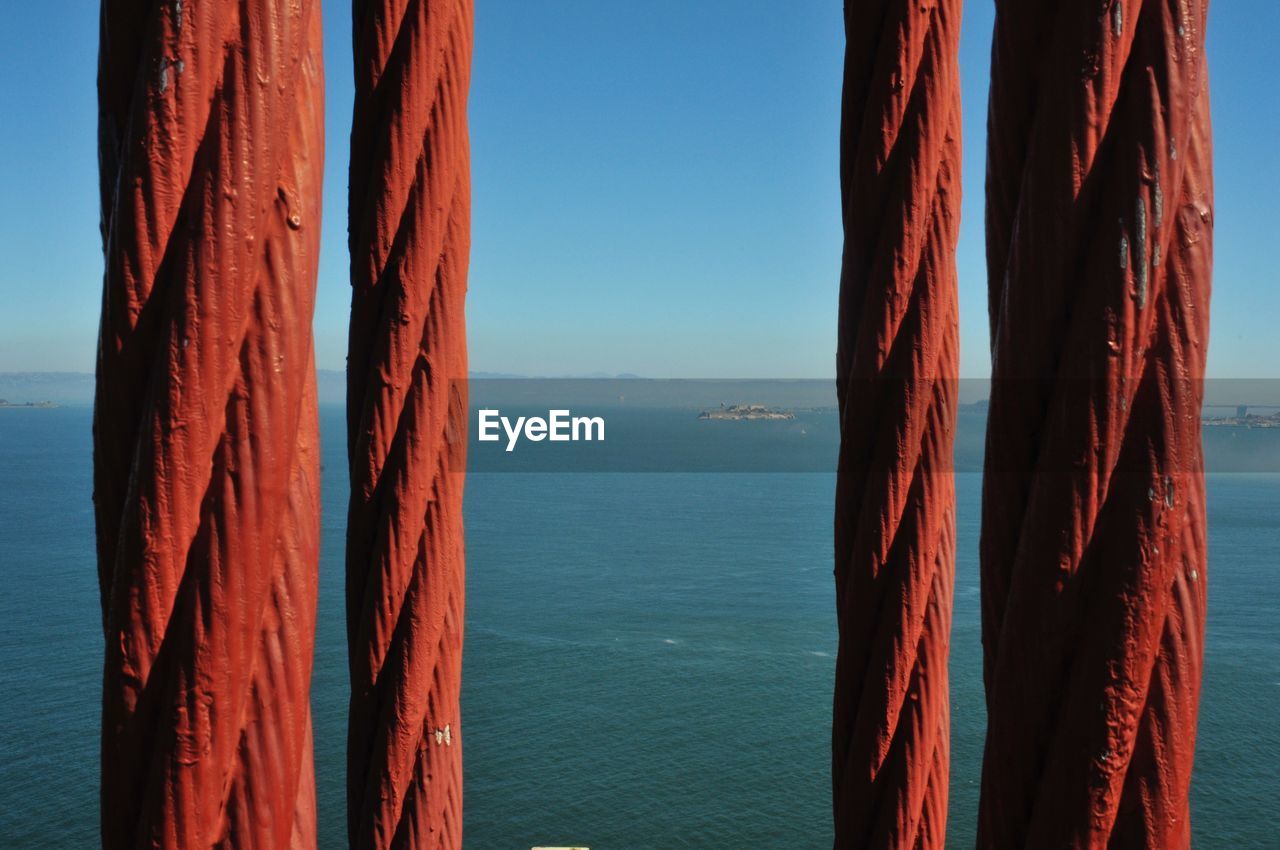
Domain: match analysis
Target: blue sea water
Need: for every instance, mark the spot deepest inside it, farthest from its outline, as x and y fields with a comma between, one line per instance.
x=648, y=663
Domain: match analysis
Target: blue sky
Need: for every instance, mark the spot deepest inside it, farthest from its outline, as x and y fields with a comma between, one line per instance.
x=655, y=187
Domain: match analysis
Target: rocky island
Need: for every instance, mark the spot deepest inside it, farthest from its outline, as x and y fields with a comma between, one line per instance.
x=746, y=411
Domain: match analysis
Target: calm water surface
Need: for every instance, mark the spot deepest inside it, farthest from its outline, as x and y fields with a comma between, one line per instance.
x=649, y=657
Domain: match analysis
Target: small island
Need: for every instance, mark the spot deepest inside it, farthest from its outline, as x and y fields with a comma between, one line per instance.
x=41, y=405
x=1243, y=419
x=746, y=411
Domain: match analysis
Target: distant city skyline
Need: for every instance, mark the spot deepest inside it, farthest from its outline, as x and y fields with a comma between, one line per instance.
x=655, y=189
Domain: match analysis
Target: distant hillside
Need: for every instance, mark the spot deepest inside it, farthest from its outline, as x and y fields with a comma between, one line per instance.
x=58, y=387
x=77, y=387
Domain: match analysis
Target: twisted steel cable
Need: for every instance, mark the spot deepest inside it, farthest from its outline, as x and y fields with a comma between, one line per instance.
x=1099, y=233
x=896, y=379
x=206, y=467
x=406, y=408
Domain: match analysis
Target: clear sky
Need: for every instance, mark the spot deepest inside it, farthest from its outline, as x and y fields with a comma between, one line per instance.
x=655, y=187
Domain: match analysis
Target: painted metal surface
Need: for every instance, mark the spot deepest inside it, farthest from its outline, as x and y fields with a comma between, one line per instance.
x=896, y=370
x=206, y=466
x=406, y=408
x=1099, y=234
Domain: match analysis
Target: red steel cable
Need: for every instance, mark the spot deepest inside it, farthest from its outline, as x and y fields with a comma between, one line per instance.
x=206, y=466
x=1099, y=232
x=410, y=220
x=896, y=379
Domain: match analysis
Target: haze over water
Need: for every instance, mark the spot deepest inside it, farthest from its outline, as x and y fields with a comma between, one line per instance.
x=649, y=656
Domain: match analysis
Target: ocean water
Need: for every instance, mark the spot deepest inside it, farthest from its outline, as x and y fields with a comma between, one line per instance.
x=648, y=663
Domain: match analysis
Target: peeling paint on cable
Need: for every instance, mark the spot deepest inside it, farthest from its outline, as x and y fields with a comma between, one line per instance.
x=1140, y=243
x=1158, y=199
